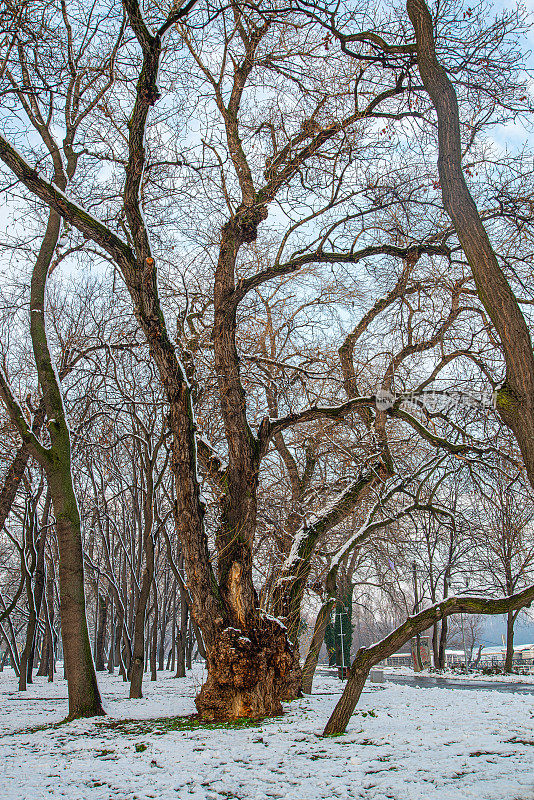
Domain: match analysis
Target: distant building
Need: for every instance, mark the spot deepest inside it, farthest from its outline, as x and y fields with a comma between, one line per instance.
x=490, y=657
x=493, y=656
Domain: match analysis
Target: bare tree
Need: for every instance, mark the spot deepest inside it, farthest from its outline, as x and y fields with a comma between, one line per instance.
x=505, y=547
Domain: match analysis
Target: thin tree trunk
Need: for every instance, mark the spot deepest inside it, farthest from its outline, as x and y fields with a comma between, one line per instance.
x=190, y=641
x=310, y=664
x=28, y=565
x=50, y=618
x=435, y=645
x=47, y=664
x=154, y=640
x=181, y=639
x=443, y=644
x=28, y=646
x=172, y=652
x=138, y=654
x=11, y=644
x=40, y=574
x=112, y=634
x=162, y=633
x=509, y=659
x=101, y=633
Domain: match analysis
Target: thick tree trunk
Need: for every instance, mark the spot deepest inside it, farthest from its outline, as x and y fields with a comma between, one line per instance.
x=230, y=603
x=249, y=658
x=247, y=673
x=84, y=696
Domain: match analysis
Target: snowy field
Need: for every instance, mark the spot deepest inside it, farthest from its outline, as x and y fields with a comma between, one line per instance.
x=403, y=743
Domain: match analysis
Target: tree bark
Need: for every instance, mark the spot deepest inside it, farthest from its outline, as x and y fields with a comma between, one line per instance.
x=40, y=574
x=138, y=654
x=310, y=664
x=30, y=637
x=442, y=663
x=509, y=659
x=162, y=630
x=181, y=639
x=154, y=639
x=515, y=399
x=101, y=633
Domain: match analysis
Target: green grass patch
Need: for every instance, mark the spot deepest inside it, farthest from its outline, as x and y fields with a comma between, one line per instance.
x=162, y=725
x=45, y=726
x=141, y=727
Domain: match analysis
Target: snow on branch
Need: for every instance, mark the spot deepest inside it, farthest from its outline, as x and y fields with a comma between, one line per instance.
x=16, y=416
x=65, y=206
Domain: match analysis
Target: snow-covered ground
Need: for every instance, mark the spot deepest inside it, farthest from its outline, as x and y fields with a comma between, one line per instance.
x=403, y=743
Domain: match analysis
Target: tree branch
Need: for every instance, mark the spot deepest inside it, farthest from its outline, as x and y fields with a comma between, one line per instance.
x=367, y=657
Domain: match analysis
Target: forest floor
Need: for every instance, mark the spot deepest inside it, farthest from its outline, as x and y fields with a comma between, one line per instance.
x=403, y=743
